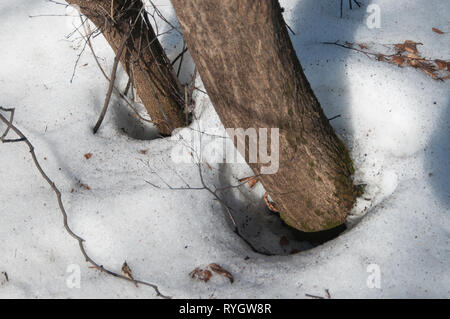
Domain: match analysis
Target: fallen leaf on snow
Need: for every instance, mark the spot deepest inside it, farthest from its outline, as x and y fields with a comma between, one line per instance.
x=209, y=166
x=414, y=63
x=411, y=46
x=429, y=69
x=126, y=271
x=381, y=57
x=86, y=187
x=437, y=31
x=408, y=55
x=408, y=45
x=429, y=72
x=221, y=271
x=363, y=46
x=414, y=56
x=441, y=64
x=269, y=204
x=252, y=180
x=88, y=155
x=201, y=274
x=398, y=60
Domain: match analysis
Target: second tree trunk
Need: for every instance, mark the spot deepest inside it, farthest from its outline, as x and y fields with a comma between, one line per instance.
x=144, y=58
x=254, y=79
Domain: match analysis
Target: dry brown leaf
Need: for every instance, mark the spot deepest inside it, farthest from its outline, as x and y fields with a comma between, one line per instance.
x=252, y=180
x=398, y=60
x=408, y=45
x=414, y=63
x=429, y=72
x=406, y=53
x=429, y=66
x=441, y=64
x=143, y=152
x=363, y=46
x=201, y=274
x=446, y=77
x=126, y=271
x=221, y=271
x=411, y=46
x=400, y=47
x=381, y=57
x=269, y=204
x=245, y=179
x=88, y=155
x=209, y=166
x=414, y=56
x=437, y=31
x=86, y=187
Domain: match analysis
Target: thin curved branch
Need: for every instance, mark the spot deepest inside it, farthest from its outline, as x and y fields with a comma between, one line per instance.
x=81, y=241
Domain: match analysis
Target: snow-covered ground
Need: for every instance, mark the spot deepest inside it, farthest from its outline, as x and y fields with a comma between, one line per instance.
x=394, y=120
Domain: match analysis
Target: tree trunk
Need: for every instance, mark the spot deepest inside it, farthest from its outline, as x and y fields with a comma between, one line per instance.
x=252, y=74
x=144, y=58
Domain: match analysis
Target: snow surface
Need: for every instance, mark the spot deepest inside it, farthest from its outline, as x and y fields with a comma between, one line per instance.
x=394, y=120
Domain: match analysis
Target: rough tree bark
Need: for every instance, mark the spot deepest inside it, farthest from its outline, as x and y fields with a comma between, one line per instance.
x=254, y=79
x=144, y=58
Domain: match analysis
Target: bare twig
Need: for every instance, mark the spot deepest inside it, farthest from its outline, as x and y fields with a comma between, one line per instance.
x=200, y=90
x=179, y=55
x=186, y=104
x=111, y=82
x=89, y=33
x=334, y=117
x=367, y=53
x=122, y=95
x=350, y=4
x=406, y=55
x=81, y=241
x=77, y=61
x=128, y=86
x=181, y=61
x=143, y=19
x=161, y=16
x=11, y=118
x=289, y=28
x=214, y=193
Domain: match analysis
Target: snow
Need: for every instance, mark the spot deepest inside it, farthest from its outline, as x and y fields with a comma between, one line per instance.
x=394, y=120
